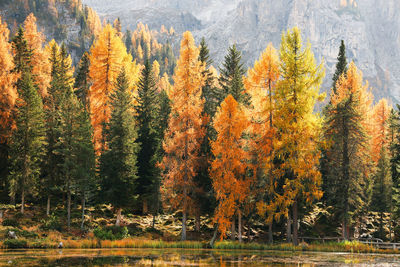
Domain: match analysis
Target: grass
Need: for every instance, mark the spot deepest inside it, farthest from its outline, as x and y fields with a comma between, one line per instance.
x=346, y=246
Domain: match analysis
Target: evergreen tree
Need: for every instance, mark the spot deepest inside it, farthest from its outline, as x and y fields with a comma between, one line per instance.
x=28, y=140
x=204, y=195
x=85, y=164
x=82, y=80
x=348, y=156
x=341, y=65
x=146, y=115
x=230, y=79
x=118, y=163
x=394, y=126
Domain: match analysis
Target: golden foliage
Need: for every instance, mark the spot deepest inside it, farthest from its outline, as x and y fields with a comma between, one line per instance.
x=185, y=129
x=229, y=166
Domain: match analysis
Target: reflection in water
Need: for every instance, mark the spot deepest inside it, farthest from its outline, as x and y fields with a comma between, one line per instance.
x=187, y=257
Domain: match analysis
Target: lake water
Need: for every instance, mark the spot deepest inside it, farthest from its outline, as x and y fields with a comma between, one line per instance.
x=188, y=257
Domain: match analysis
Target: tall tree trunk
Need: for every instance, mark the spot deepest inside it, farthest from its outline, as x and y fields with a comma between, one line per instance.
x=240, y=226
x=233, y=229
x=288, y=229
x=23, y=201
x=214, y=237
x=119, y=215
x=183, y=237
x=145, y=206
x=48, y=205
x=12, y=199
x=69, y=209
x=295, y=224
x=270, y=236
x=83, y=211
x=197, y=223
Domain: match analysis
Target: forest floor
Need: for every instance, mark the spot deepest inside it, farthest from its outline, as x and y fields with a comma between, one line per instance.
x=36, y=230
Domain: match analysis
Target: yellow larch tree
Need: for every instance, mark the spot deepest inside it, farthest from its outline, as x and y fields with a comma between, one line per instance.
x=108, y=56
x=185, y=131
x=260, y=84
x=8, y=91
x=41, y=66
x=228, y=169
x=299, y=127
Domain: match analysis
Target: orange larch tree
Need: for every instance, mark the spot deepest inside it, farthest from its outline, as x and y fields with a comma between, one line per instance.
x=228, y=169
x=260, y=84
x=185, y=131
x=108, y=56
x=41, y=65
x=380, y=137
x=8, y=91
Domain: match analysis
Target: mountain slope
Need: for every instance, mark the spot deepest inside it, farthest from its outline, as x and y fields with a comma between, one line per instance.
x=370, y=29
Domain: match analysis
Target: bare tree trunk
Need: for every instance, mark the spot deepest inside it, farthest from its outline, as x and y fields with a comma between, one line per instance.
x=214, y=235
x=1, y=214
x=270, y=236
x=288, y=229
x=119, y=215
x=83, y=211
x=23, y=201
x=12, y=199
x=48, y=205
x=69, y=209
x=295, y=224
x=183, y=237
x=240, y=226
x=233, y=230
x=197, y=223
x=145, y=206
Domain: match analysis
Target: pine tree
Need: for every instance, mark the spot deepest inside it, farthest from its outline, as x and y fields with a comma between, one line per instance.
x=204, y=194
x=82, y=80
x=341, y=65
x=85, y=163
x=299, y=127
x=28, y=140
x=394, y=128
x=118, y=163
x=230, y=80
x=348, y=153
x=146, y=119
x=228, y=169
x=185, y=131
x=261, y=85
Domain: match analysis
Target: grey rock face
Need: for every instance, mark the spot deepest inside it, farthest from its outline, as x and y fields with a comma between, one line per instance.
x=370, y=29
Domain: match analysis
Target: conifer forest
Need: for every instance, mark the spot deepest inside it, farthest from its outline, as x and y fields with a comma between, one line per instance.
x=123, y=129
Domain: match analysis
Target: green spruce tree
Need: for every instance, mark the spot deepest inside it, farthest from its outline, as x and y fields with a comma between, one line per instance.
x=231, y=77
x=146, y=119
x=28, y=140
x=118, y=163
x=341, y=65
x=82, y=81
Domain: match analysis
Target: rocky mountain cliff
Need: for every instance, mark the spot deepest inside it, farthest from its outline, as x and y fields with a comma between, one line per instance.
x=370, y=29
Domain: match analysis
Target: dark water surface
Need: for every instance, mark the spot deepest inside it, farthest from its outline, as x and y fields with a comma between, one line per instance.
x=188, y=257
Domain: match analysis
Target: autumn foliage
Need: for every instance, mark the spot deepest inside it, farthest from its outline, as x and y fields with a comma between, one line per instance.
x=185, y=129
x=8, y=91
x=108, y=56
x=229, y=166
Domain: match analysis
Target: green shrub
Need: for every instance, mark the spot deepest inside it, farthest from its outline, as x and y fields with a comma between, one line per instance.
x=10, y=222
x=15, y=243
x=111, y=233
x=51, y=223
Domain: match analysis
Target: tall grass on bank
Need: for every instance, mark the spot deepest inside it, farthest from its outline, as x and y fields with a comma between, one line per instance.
x=346, y=246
